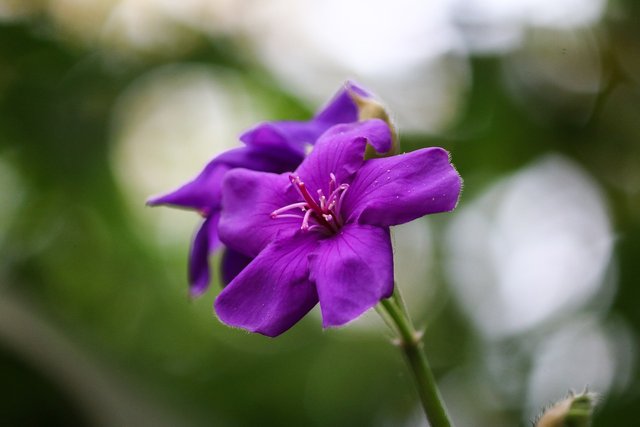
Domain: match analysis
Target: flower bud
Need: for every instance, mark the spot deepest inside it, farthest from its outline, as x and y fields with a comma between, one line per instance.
x=370, y=108
x=574, y=411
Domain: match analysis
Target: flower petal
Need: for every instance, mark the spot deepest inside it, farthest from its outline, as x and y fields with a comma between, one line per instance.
x=249, y=197
x=203, y=192
x=355, y=89
x=342, y=108
x=204, y=243
x=394, y=190
x=233, y=262
x=353, y=270
x=273, y=292
x=340, y=151
x=293, y=137
x=288, y=137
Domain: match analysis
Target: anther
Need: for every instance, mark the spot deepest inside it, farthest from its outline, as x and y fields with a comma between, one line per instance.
x=325, y=212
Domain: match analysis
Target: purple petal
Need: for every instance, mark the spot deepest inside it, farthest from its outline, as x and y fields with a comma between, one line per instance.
x=249, y=197
x=273, y=292
x=290, y=138
x=203, y=192
x=340, y=151
x=398, y=189
x=358, y=90
x=353, y=270
x=293, y=137
x=342, y=108
x=204, y=243
x=233, y=262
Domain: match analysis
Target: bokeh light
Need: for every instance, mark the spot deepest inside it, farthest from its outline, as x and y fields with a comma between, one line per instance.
x=499, y=25
x=167, y=125
x=583, y=354
x=409, y=53
x=532, y=247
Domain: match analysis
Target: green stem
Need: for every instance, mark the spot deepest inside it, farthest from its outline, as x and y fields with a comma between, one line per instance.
x=411, y=343
x=397, y=297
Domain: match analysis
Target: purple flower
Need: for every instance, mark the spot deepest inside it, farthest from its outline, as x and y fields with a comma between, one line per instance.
x=321, y=233
x=272, y=147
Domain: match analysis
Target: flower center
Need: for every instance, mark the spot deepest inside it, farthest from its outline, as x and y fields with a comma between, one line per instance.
x=321, y=213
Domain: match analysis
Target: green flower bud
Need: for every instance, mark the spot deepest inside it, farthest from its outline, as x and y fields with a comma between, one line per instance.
x=574, y=411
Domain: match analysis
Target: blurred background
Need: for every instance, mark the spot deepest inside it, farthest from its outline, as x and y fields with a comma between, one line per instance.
x=528, y=290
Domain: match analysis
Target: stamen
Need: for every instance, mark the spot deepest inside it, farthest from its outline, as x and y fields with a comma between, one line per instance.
x=323, y=200
x=334, y=194
x=305, y=220
x=330, y=218
x=302, y=190
x=287, y=216
x=323, y=214
x=277, y=212
x=333, y=182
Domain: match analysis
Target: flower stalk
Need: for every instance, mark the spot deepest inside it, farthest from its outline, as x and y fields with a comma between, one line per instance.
x=410, y=341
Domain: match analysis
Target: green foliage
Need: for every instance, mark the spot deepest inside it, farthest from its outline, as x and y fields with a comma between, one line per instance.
x=79, y=268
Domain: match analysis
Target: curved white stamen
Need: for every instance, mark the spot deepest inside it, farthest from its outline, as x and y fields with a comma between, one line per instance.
x=334, y=195
x=305, y=220
x=287, y=216
x=299, y=205
x=323, y=200
x=333, y=183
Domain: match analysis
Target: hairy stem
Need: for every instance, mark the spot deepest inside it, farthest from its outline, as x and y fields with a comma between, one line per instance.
x=410, y=342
